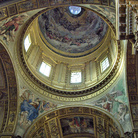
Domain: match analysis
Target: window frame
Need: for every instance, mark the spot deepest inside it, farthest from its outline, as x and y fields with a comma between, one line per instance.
x=75, y=71
x=30, y=42
x=102, y=66
x=47, y=64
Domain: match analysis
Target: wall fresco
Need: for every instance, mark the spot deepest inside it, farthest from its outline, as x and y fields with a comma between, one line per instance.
x=9, y=27
x=30, y=108
x=109, y=13
x=116, y=102
x=77, y=124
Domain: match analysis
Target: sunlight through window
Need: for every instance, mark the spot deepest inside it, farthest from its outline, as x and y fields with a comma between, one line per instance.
x=75, y=77
x=75, y=10
x=105, y=64
x=45, y=69
x=27, y=43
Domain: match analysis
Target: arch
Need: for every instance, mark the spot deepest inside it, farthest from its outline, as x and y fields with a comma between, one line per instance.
x=72, y=122
x=8, y=94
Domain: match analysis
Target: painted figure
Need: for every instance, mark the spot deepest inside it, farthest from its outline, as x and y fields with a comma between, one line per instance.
x=11, y=26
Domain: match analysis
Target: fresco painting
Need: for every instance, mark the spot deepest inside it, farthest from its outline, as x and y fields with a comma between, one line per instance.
x=30, y=108
x=72, y=37
x=109, y=13
x=77, y=124
x=116, y=102
x=9, y=27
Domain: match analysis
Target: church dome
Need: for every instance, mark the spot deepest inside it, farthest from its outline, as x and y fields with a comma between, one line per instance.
x=69, y=54
x=68, y=32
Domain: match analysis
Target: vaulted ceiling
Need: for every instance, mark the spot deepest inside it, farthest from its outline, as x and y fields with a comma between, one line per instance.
x=88, y=91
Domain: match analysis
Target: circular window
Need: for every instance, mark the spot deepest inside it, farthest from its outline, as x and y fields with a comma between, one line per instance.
x=75, y=10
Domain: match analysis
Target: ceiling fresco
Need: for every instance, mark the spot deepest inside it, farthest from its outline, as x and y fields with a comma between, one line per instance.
x=31, y=106
x=9, y=27
x=77, y=124
x=107, y=12
x=116, y=102
x=72, y=33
